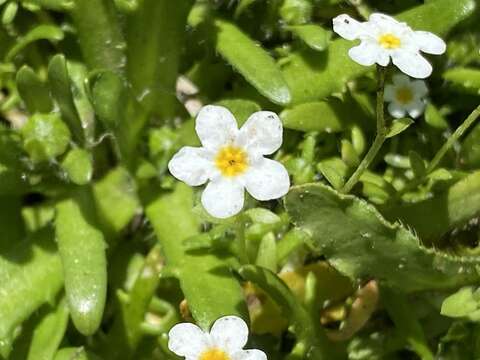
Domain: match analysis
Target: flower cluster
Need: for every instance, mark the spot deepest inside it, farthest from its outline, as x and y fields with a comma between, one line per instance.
x=225, y=341
x=233, y=160
x=383, y=39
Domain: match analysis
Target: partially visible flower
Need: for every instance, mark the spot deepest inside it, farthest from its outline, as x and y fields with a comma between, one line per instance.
x=405, y=96
x=233, y=160
x=384, y=38
x=225, y=341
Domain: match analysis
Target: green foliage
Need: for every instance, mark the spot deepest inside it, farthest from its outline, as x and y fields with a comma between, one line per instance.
x=102, y=251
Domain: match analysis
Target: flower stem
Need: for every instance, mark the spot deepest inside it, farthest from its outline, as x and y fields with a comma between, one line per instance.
x=454, y=138
x=379, y=138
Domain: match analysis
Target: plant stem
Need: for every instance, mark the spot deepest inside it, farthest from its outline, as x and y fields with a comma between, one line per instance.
x=454, y=138
x=379, y=138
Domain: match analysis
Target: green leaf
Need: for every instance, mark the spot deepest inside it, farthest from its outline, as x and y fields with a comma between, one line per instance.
x=433, y=217
x=116, y=200
x=106, y=49
x=349, y=155
x=240, y=108
x=9, y=12
x=309, y=334
x=406, y=322
x=52, y=4
x=322, y=116
x=40, y=32
x=464, y=78
x=33, y=91
x=334, y=170
x=267, y=253
x=296, y=11
x=316, y=37
x=78, y=166
x=32, y=273
x=312, y=76
x=434, y=118
x=72, y=353
x=465, y=303
x=45, y=137
x=399, y=126
x=359, y=243
x=201, y=275
x=155, y=38
x=252, y=61
x=61, y=88
x=49, y=333
x=82, y=249
x=417, y=164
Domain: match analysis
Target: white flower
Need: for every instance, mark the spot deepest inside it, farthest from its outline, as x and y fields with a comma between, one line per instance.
x=405, y=96
x=233, y=160
x=382, y=37
x=225, y=341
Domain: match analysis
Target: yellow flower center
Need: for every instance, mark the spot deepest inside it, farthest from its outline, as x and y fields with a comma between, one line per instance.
x=214, y=354
x=231, y=161
x=404, y=95
x=389, y=41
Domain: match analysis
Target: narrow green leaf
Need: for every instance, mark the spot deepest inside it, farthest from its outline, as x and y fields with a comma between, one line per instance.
x=267, y=253
x=349, y=155
x=359, y=243
x=33, y=91
x=465, y=303
x=315, y=36
x=9, y=13
x=106, y=49
x=72, y=353
x=82, y=249
x=52, y=4
x=467, y=79
x=155, y=37
x=32, y=273
x=296, y=12
x=201, y=275
x=399, y=126
x=253, y=62
x=417, y=164
x=49, y=333
x=334, y=170
x=61, y=88
x=40, y=32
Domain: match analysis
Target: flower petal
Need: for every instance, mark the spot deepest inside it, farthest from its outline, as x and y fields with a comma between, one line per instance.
x=366, y=54
x=262, y=132
x=412, y=64
x=223, y=197
x=216, y=126
x=382, y=20
x=347, y=27
x=267, y=180
x=419, y=88
x=429, y=43
x=416, y=108
x=187, y=339
x=396, y=110
x=191, y=165
x=250, y=355
x=401, y=80
x=230, y=333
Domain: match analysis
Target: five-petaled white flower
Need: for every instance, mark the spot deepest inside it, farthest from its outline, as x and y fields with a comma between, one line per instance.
x=382, y=37
x=233, y=160
x=225, y=341
x=405, y=96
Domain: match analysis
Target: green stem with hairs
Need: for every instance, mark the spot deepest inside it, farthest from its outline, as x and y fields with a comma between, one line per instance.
x=379, y=138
